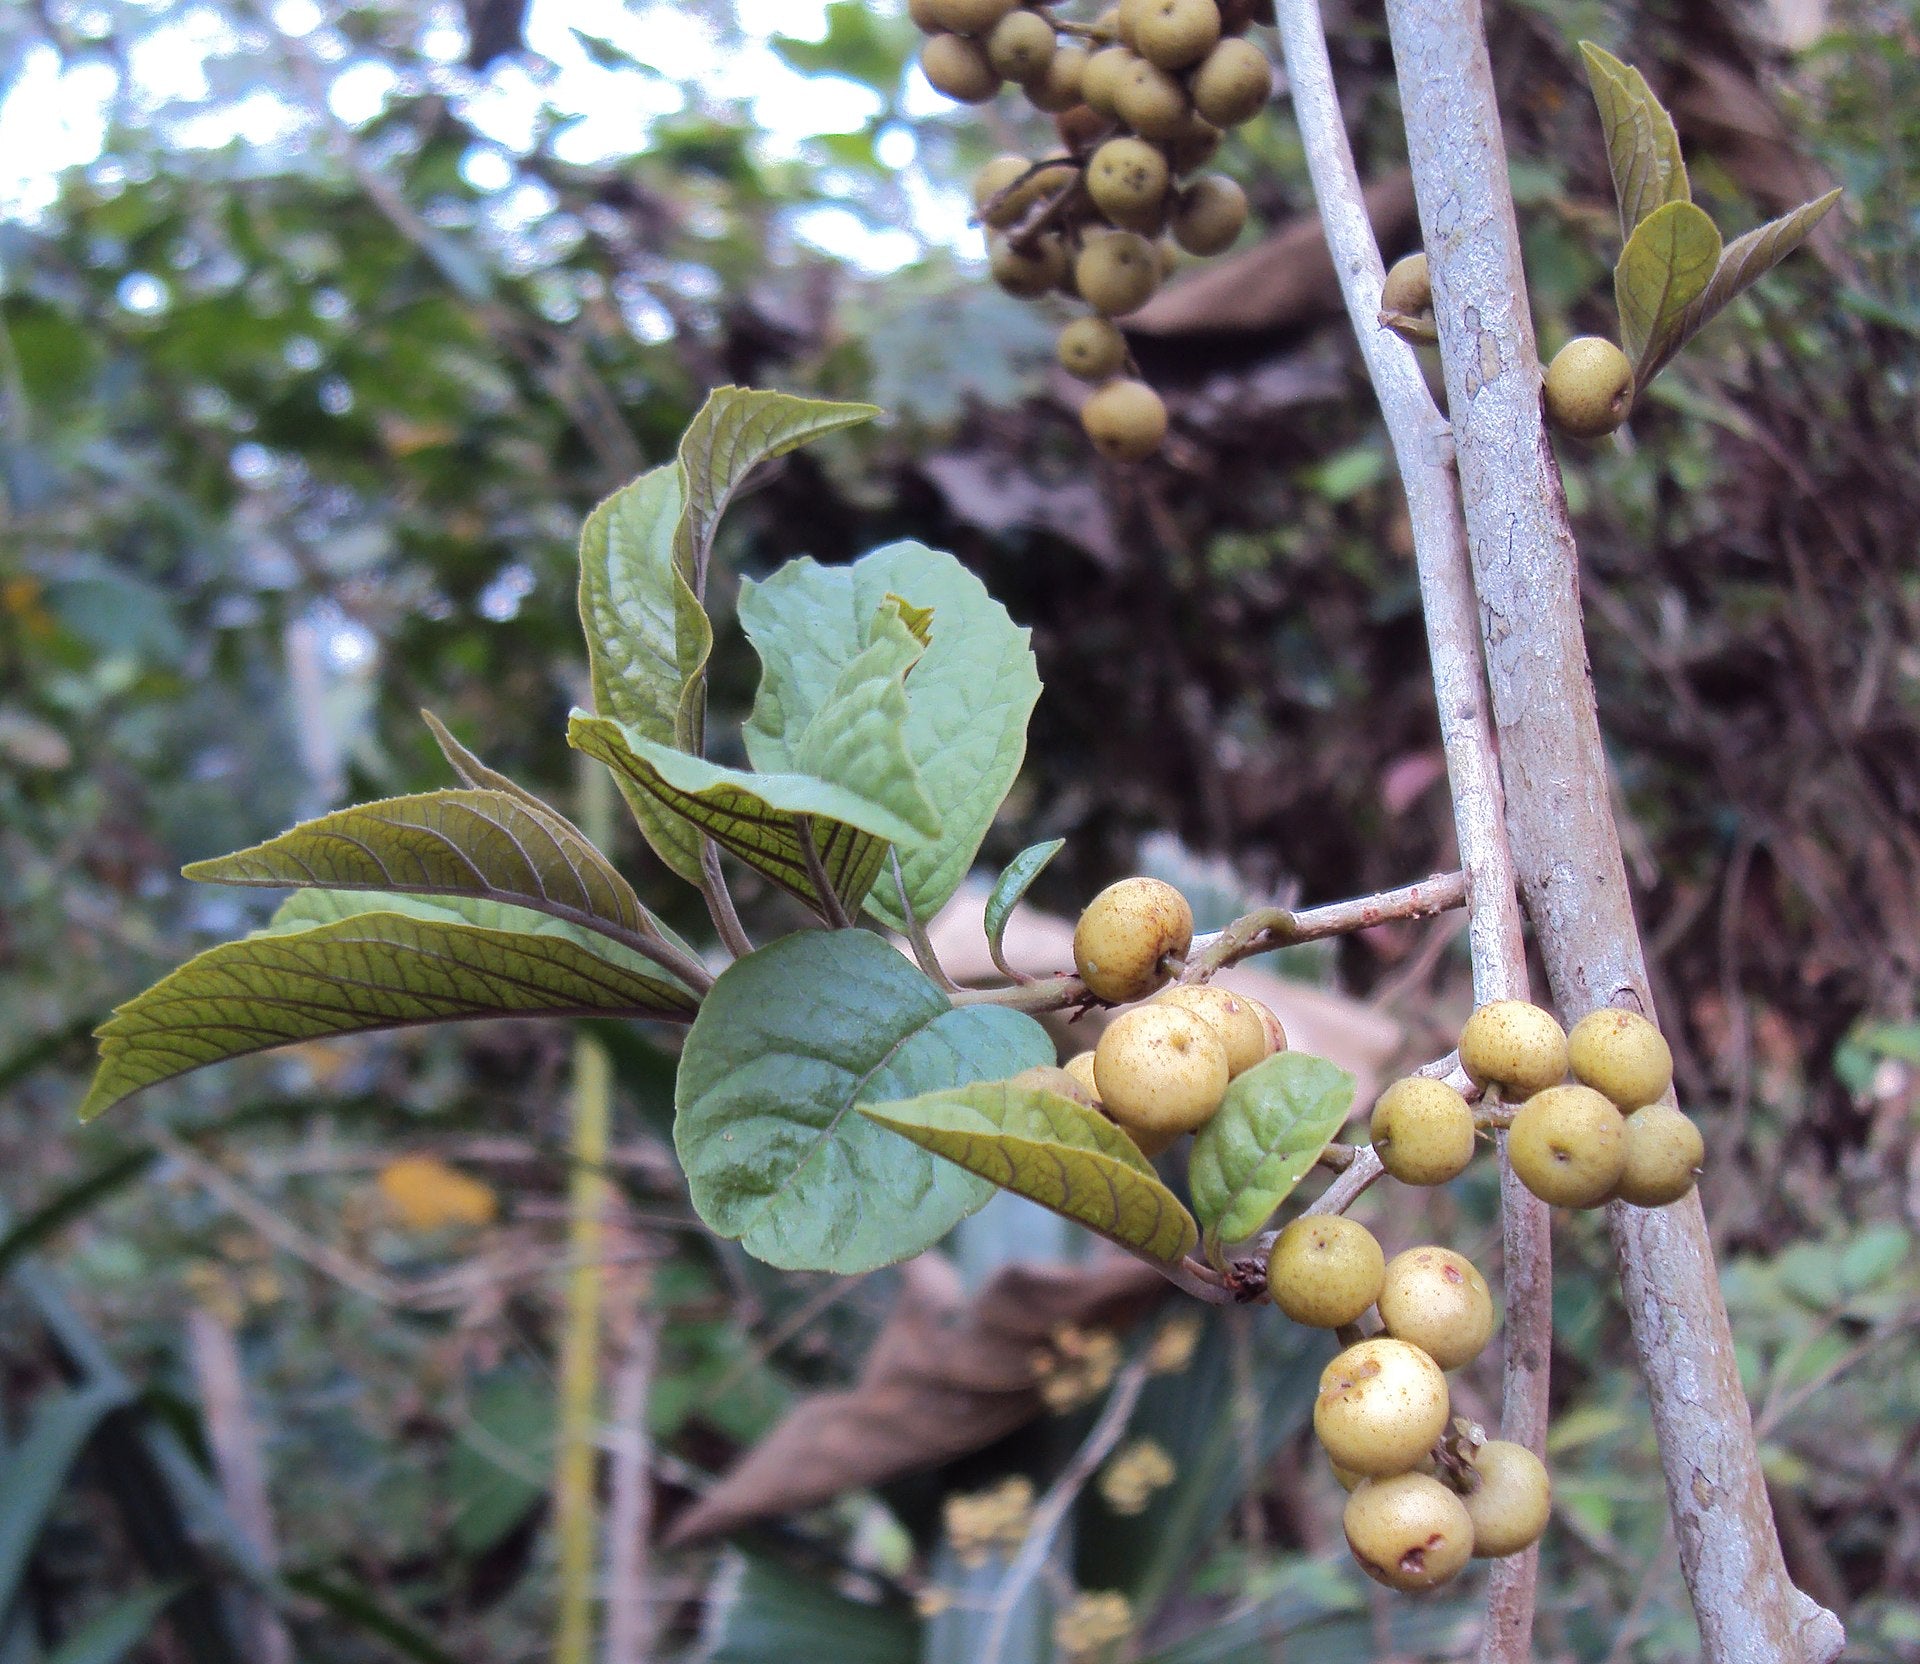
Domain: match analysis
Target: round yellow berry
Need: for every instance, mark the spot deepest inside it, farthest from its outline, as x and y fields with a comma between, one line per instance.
x=1160, y=1070
x=1621, y=1054
x=1514, y=1045
x=1324, y=1271
x=1125, y=936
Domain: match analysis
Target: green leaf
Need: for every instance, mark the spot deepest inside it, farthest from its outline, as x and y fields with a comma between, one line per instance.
x=756, y=817
x=389, y=962
x=1666, y=266
x=788, y=1042
x=764, y=1613
x=1643, y=151
x=644, y=628
x=1012, y=885
x=1275, y=1121
x=36, y=1470
x=478, y=843
x=1744, y=262
x=497, y=1471
x=1052, y=1151
x=476, y=775
x=968, y=699
x=358, y=1607
x=118, y=1630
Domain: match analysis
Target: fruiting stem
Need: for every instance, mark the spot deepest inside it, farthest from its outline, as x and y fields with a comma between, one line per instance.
x=1565, y=842
x=1000, y=198
x=1419, y=434
x=1267, y=928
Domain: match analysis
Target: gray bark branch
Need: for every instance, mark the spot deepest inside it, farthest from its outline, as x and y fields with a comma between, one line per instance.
x=1423, y=451
x=1565, y=844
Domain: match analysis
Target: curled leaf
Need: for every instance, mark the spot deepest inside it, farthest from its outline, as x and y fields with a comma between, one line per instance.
x=1643, y=150
x=1011, y=887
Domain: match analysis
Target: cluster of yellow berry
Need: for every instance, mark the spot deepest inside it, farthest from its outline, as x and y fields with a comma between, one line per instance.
x=1140, y=98
x=1161, y=1070
x=1429, y=1493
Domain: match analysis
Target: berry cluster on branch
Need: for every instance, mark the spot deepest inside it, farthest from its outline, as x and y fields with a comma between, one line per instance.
x=1140, y=98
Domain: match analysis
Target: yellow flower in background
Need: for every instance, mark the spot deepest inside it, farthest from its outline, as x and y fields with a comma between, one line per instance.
x=425, y=1194
x=1135, y=1473
x=1091, y=1623
x=979, y=1522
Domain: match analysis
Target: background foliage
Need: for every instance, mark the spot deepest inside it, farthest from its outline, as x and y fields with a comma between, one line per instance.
x=307, y=380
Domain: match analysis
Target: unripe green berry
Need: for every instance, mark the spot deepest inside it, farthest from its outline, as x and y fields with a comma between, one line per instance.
x=1232, y=84
x=1664, y=1153
x=1589, y=387
x=1092, y=349
x=1568, y=1146
x=1325, y=1270
x=1058, y=89
x=1422, y=1131
x=1126, y=420
x=1176, y=33
x=1160, y=1070
x=1127, y=179
x=1235, y=1018
x=1382, y=1404
x=971, y=17
x=1100, y=80
x=1117, y=272
x=1125, y=934
x=1437, y=1300
x=1021, y=46
x=1408, y=289
x=1029, y=270
x=1408, y=1532
x=1209, y=215
x=1514, y=1045
x=1152, y=102
x=1061, y=1082
x=958, y=67
x=1513, y=1501
x=1621, y=1054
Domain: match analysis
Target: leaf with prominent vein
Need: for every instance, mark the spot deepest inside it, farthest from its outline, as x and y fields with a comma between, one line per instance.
x=475, y=774
x=755, y=817
x=1643, y=151
x=643, y=625
x=968, y=699
x=479, y=843
x=1667, y=264
x=405, y=964
x=789, y=1042
x=1012, y=885
x=1744, y=262
x=1053, y=1151
x=1266, y=1136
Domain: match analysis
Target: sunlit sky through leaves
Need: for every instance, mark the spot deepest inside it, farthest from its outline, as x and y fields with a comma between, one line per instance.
x=184, y=67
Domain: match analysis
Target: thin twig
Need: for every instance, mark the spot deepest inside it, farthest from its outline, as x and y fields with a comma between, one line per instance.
x=1061, y=1495
x=832, y=908
x=719, y=899
x=1259, y=932
x=1421, y=450
x=917, y=937
x=630, y=1602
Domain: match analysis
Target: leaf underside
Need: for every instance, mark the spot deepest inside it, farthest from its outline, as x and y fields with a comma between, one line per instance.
x=471, y=842
x=1643, y=150
x=1667, y=264
x=756, y=817
x=1743, y=263
x=1053, y=1151
x=384, y=968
